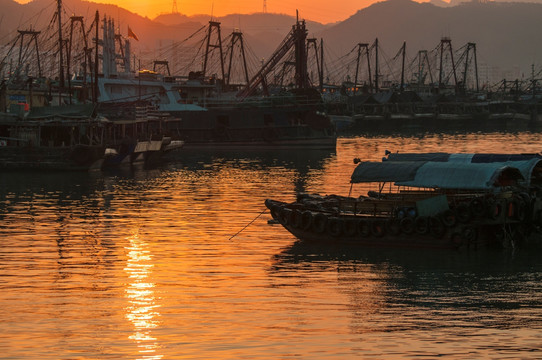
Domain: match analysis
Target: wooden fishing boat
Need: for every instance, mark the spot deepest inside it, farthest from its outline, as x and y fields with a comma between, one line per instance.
x=432, y=205
x=52, y=138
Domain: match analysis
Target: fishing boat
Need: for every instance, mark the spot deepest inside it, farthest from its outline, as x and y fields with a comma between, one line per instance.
x=212, y=113
x=432, y=204
x=147, y=152
x=52, y=138
x=140, y=135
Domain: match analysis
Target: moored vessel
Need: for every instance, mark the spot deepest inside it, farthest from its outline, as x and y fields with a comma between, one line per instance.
x=52, y=138
x=431, y=205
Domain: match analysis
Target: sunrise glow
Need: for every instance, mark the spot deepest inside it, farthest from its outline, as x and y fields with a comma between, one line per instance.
x=319, y=10
x=322, y=11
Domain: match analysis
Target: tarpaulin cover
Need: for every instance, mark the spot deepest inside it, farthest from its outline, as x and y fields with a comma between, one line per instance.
x=456, y=175
x=526, y=163
x=385, y=171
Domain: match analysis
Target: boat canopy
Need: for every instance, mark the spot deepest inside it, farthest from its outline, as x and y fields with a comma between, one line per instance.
x=466, y=176
x=530, y=165
x=443, y=175
x=368, y=171
x=74, y=111
x=473, y=158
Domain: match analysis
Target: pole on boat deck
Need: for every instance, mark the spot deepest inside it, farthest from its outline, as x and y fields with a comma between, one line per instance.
x=357, y=70
x=96, y=57
x=476, y=67
x=322, y=65
x=60, y=46
x=403, y=67
x=214, y=25
x=376, y=65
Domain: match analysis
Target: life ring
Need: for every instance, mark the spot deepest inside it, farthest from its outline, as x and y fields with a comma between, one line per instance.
x=448, y=218
x=364, y=229
x=378, y=229
x=407, y=225
x=306, y=220
x=350, y=227
x=319, y=223
x=477, y=207
x=393, y=226
x=436, y=227
x=421, y=225
x=334, y=226
x=462, y=213
x=285, y=216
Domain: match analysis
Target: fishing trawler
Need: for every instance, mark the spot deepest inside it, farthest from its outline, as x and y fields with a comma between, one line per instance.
x=213, y=117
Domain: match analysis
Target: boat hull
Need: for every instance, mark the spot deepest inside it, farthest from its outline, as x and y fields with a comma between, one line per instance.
x=452, y=230
x=69, y=158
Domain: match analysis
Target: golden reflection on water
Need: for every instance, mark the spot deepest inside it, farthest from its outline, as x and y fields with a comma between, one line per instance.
x=143, y=309
x=260, y=295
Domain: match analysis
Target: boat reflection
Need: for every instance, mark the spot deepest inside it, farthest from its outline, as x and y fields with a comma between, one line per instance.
x=288, y=158
x=471, y=289
x=324, y=254
x=143, y=308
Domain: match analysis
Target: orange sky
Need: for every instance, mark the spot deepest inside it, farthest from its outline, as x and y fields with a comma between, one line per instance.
x=319, y=10
x=324, y=11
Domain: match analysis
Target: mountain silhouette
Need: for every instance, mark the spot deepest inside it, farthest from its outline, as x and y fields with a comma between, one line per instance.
x=506, y=33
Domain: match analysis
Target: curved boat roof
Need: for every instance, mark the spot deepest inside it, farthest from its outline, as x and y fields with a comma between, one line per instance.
x=368, y=171
x=530, y=165
x=464, y=176
x=443, y=175
x=473, y=158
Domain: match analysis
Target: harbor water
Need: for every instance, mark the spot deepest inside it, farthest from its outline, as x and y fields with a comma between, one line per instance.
x=180, y=262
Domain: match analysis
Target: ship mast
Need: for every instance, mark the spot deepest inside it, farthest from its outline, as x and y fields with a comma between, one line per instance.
x=60, y=46
x=237, y=36
x=376, y=65
x=446, y=41
x=300, y=54
x=214, y=25
x=296, y=39
x=96, y=57
x=403, y=67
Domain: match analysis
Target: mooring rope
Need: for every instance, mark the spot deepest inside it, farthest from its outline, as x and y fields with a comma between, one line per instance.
x=247, y=225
